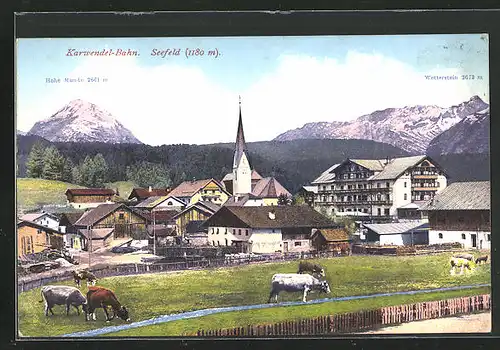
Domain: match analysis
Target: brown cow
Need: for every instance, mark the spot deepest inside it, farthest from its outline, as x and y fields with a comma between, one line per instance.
x=101, y=297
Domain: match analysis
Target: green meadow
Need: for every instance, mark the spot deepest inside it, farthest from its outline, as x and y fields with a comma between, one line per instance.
x=148, y=296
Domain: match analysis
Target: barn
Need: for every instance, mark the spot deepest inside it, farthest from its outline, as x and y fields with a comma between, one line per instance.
x=400, y=233
x=330, y=240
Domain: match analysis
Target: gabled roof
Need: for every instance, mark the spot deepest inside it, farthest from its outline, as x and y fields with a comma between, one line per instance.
x=410, y=205
x=145, y=193
x=35, y=216
x=333, y=234
x=269, y=187
x=22, y=223
x=93, y=216
x=158, y=216
x=96, y=233
x=313, y=189
x=206, y=207
x=189, y=188
x=474, y=195
x=397, y=166
x=371, y=164
x=397, y=228
x=327, y=175
x=90, y=191
x=259, y=217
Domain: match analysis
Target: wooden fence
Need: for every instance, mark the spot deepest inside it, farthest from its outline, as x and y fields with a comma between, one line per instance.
x=26, y=284
x=359, y=321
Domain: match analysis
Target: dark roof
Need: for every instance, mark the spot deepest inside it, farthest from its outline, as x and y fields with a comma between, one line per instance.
x=90, y=191
x=97, y=233
x=21, y=223
x=195, y=226
x=161, y=231
x=70, y=218
x=93, y=216
x=474, y=195
x=145, y=193
x=398, y=227
x=260, y=217
x=159, y=216
x=34, y=216
x=333, y=235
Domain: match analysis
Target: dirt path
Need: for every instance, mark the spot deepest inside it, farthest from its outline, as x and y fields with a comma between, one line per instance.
x=475, y=323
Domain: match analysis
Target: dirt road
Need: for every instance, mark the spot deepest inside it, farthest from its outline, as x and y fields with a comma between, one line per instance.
x=475, y=323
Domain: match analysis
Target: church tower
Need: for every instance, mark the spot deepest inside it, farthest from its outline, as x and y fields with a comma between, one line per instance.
x=242, y=173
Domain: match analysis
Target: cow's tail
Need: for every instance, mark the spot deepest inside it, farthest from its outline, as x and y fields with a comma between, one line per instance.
x=43, y=297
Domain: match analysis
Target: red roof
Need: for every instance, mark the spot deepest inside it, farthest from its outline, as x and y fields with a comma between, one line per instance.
x=90, y=191
x=145, y=193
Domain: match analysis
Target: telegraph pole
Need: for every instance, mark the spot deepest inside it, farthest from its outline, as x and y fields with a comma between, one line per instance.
x=154, y=233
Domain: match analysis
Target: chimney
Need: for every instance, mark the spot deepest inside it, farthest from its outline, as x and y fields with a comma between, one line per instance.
x=150, y=189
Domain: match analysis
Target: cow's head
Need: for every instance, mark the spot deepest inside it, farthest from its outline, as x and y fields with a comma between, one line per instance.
x=321, y=272
x=123, y=313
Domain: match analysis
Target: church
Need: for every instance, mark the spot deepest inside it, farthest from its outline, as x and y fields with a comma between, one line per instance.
x=246, y=185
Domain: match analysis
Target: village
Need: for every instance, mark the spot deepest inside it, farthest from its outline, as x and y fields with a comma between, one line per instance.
x=384, y=207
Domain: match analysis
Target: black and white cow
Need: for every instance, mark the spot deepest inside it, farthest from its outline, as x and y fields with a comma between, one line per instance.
x=313, y=268
x=294, y=282
x=62, y=295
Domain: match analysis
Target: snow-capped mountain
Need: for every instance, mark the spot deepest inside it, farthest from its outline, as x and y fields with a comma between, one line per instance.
x=19, y=132
x=410, y=128
x=470, y=135
x=81, y=121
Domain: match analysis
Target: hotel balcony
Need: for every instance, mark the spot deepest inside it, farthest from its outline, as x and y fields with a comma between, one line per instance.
x=428, y=188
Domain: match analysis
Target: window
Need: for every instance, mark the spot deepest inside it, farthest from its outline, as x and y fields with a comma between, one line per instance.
x=121, y=216
x=387, y=185
x=39, y=231
x=217, y=230
x=226, y=242
x=234, y=231
x=272, y=230
x=378, y=184
x=225, y=232
x=440, y=235
x=169, y=203
x=213, y=230
x=488, y=237
x=298, y=244
x=379, y=211
x=213, y=243
x=404, y=184
x=406, y=196
x=239, y=232
x=246, y=232
x=463, y=235
x=386, y=211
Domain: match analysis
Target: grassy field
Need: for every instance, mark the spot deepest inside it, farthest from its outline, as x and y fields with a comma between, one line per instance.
x=265, y=316
x=152, y=295
x=32, y=193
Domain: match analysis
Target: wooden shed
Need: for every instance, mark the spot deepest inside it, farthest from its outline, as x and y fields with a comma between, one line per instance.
x=331, y=240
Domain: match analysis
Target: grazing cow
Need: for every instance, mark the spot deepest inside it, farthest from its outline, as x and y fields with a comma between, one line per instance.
x=482, y=260
x=293, y=282
x=462, y=263
x=313, y=268
x=84, y=275
x=62, y=295
x=469, y=257
x=101, y=297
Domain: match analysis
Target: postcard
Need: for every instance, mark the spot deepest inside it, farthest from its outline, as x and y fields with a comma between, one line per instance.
x=253, y=186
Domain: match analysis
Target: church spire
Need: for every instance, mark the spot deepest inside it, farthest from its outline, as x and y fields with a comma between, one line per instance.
x=240, y=141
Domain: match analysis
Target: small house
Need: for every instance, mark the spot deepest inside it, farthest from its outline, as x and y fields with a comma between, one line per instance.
x=208, y=190
x=330, y=240
x=196, y=233
x=33, y=238
x=96, y=238
x=160, y=203
x=83, y=198
x=195, y=212
x=43, y=218
x=140, y=194
x=67, y=226
x=461, y=213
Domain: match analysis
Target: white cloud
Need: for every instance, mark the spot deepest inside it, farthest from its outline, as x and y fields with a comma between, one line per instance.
x=174, y=104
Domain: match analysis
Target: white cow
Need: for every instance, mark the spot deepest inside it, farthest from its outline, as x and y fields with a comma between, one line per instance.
x=62, y=295
x=294, y=282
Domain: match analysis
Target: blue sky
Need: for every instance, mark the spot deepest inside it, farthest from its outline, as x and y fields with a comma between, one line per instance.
x=284, y=82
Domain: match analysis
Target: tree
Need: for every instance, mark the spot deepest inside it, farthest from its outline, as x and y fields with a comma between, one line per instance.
x=53, y=164
x=34, y=165
x=146, y=174
x=298, y=200
x=86, y=172
x=68, y=170
x=100, y=174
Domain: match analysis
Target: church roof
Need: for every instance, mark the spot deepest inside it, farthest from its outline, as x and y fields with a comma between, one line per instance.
x=241, y=146
x=254, y=176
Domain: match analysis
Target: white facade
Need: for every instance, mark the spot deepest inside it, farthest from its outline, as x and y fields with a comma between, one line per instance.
x=266, y=241
x=170, y=203
x=47, y=221
x=224, y=236
x=469, y=239
x=296, y=245
x=254, y=202
x=86, y=205
x=242, y=177
x=401, y=193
